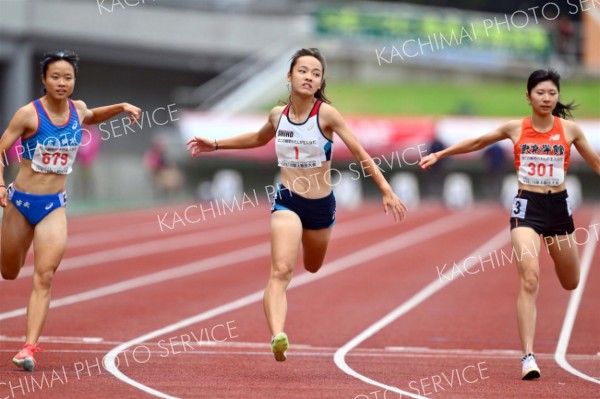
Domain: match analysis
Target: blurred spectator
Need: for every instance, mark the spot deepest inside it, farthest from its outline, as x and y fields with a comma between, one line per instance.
x=565, y=40
x=86, y=157
x=437, y=173
x=495, y=160
x=167, y=179
x=11, y=161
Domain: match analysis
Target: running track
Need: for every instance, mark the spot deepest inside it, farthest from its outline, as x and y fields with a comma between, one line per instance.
x=379, y=316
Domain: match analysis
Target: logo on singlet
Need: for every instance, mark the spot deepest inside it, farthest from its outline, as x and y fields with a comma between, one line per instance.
x=285, y=133
x=543, y=149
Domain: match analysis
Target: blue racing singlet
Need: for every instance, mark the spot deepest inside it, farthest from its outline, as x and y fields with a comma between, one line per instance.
x=52, y=148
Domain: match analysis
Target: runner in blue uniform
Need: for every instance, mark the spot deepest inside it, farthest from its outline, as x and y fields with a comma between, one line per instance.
x=34, y=204
x=303, y=210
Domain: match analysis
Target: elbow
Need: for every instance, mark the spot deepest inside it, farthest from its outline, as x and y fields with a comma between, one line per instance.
x=478, y=144
x=261, y=143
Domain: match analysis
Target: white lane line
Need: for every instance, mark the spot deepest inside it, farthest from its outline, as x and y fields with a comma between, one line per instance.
x=61, y=340
x=390, y=351
x=168, y=243
x=136, y=230
x=574, y=302
x=194, y=239
x=307, y=350
x=230, y=258
x=115, y=233
x=106, y=235
x=116, y=223
x=242, y=255
x=386, y=247
x=497, y=241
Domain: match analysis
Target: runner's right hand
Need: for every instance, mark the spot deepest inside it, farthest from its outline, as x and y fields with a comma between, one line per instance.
x=197, y=145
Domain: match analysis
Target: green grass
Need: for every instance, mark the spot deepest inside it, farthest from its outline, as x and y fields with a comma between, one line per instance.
x=435, y=99
x=486, y=99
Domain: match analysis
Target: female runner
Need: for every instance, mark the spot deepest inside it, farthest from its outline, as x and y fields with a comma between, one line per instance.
x=34, y=204
x=303, y=210
x=542, y=149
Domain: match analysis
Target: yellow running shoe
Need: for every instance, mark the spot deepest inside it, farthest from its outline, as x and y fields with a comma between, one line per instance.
x=279, y=346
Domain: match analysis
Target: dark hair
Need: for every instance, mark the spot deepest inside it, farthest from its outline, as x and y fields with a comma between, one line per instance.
x=313, y=52
x=66, y=55
x=543, y=75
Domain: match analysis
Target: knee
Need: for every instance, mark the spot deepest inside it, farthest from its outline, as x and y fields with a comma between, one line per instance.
x=570, y=285
x=281, y=271
x=530, y=282
x=44, y=280
x=8, y=275
x=9, y=272
x=312, y=268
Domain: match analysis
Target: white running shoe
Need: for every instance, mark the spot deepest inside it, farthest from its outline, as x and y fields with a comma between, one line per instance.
x=531, y=371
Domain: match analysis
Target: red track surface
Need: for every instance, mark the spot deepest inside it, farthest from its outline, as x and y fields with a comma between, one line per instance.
x=460, y=342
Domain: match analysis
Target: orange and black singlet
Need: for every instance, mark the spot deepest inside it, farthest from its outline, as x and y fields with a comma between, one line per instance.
x=542, y=159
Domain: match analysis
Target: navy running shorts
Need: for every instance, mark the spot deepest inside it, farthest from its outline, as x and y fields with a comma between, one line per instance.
x=315, y=214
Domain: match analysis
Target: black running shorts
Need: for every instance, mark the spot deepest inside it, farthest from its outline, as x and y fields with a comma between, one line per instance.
x=547, y=214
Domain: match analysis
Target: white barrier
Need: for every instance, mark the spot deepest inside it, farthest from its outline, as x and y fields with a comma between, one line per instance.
x=406, y=186
x=227, y=184
x=348, y=193
x=458, y=191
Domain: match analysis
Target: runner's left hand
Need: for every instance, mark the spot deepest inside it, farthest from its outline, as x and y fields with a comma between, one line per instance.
x=134, y=112
x=391, y=201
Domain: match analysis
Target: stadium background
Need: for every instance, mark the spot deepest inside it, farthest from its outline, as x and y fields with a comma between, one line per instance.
x=219, y=66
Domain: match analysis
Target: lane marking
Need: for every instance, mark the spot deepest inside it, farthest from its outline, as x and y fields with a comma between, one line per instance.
x=230, y=258
x=307, y=350
x=142, y=228
x=133, y=229
x=168, y=243
x=573, y=307
x=389, y=351
x=497, y=241
x=193, y=239
x=108, y=235
x=61, y=340
x=386, y=247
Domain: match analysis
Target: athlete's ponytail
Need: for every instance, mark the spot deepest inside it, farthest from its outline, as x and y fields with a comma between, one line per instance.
x=313, y=52
x=541, y=75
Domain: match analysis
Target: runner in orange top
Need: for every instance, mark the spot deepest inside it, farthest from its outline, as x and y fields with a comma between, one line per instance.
x=542, y=149
x=542, y=158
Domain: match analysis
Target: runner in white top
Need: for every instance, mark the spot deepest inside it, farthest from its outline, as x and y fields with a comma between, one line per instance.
x=304, y=207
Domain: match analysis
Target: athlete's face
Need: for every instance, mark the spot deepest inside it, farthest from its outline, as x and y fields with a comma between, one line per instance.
x=543, y=97
x=306, y=76
x=59, y=79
